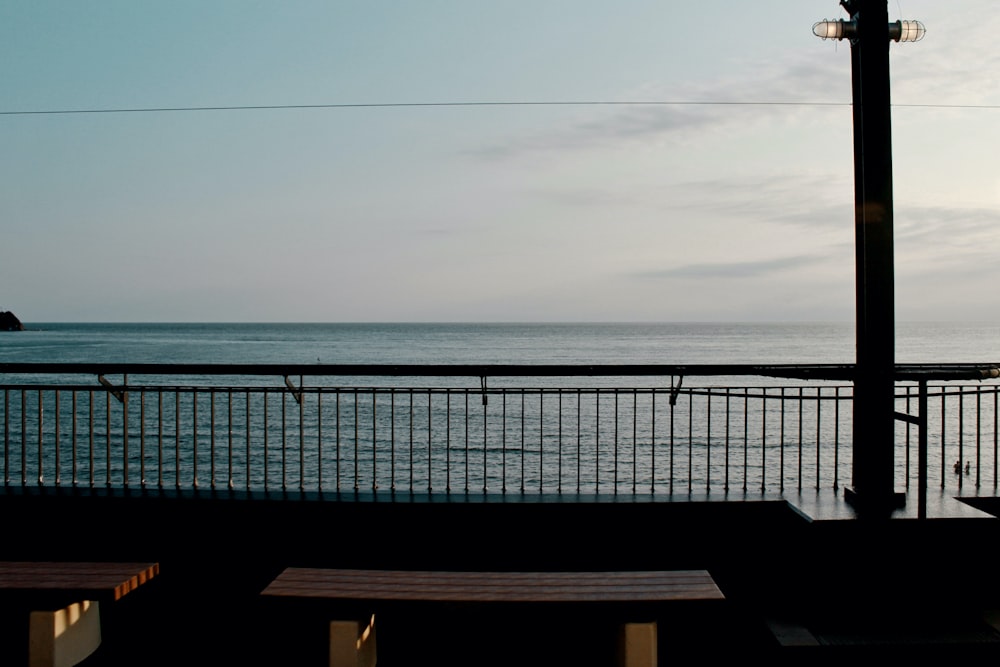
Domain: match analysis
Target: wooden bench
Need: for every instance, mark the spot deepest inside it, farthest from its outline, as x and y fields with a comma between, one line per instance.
x=63, y=601
x=352, y=642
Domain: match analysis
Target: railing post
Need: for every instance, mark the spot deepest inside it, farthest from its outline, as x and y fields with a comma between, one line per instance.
x=922, y=450
x=124, y=401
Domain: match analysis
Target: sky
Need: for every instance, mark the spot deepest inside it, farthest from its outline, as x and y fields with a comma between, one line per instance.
x=455, y=161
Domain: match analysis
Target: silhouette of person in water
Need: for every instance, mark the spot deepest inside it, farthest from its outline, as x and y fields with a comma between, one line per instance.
x=968, y=468
x=958, y=467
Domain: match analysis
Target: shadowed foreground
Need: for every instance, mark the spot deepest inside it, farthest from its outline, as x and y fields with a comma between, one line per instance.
x=797, y=588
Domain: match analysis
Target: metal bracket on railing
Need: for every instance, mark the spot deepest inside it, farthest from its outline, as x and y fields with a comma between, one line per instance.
x=296, y=393
x=117, y=393
x=482, y=383
x=675, y=391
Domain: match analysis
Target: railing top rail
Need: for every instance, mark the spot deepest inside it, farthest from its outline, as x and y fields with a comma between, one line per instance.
x=822, y=371
x=840, y=372
x=916, y=372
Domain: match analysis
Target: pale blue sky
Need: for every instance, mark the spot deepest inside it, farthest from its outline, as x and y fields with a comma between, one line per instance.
x=481, y=213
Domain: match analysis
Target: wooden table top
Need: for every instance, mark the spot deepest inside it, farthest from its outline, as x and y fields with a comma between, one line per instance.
x=433, y=586
x=84, y=580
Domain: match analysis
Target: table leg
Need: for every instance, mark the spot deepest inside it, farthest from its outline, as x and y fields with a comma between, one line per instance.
x=352, y=644
x=64, y=637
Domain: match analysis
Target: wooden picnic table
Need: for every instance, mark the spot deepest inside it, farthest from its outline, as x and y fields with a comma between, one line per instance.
x=352, y=641
x=59, y=602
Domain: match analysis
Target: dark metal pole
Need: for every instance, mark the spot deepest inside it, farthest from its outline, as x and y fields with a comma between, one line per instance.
x=872, y=492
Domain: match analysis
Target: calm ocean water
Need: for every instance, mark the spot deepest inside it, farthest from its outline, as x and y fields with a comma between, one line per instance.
x=673, y=343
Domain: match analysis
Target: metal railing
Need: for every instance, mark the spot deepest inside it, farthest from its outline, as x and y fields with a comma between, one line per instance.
x=672, y=430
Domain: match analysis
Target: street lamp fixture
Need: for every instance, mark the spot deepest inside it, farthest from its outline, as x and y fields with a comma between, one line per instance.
x=900, y=31
x=907, y=31
x=839, y=29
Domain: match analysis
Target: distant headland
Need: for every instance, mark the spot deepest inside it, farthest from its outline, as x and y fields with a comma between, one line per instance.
x=9, y=321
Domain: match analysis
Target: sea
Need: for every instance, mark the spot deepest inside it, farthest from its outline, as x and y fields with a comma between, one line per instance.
x=489, y=343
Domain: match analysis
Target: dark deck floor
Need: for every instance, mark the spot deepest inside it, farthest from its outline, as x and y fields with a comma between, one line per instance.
x=804, y=579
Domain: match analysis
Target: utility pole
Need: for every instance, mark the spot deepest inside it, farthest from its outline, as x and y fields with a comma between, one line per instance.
x=872, y=493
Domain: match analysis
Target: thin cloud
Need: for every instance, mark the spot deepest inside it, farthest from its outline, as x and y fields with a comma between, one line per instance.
x=950, y=240
x=774, y=91
x=626, y=124
x=937, y=226
x=590, y=197
x=731, y=270
x=787, y=198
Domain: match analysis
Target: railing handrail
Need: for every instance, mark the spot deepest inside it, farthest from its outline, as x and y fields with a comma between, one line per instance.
x=831, y=371
x=842, y=372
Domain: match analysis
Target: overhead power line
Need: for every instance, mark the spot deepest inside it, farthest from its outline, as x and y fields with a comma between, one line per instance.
x=264, y=107
x=375, y=105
